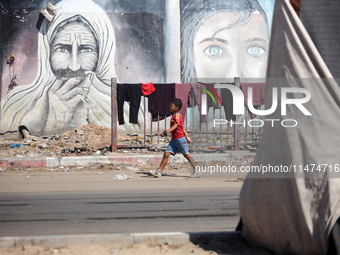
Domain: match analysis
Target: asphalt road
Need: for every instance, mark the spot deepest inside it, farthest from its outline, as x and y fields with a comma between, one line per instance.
x=92, y=203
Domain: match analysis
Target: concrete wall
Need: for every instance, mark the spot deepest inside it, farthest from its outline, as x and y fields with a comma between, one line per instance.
x=60, y=78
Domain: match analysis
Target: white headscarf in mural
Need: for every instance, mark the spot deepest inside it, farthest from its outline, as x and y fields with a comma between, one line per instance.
x=29, y=104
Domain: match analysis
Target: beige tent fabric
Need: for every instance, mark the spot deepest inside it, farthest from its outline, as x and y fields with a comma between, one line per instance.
x=295, y=214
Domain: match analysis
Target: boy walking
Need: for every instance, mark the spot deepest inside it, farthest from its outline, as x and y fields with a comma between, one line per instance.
x=178, y=143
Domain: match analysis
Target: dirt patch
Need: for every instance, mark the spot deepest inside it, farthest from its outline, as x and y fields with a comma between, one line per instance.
x=213, y=248
x=139, y=249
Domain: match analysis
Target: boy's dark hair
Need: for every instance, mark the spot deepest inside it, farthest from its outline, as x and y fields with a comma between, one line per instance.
x=177, y=102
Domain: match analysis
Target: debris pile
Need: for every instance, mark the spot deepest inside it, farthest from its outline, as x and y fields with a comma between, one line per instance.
x=88, y=139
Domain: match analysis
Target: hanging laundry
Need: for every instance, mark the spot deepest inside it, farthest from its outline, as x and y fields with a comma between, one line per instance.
x=226, y=97
x=128, y=93
x=159, y=101
x=182, y=91
x=258, y=95
x=227, y=101
x=196, y=92
x=148, y=88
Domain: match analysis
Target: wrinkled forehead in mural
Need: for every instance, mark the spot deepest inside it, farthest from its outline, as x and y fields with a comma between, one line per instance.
x=74, y=48
x=223, y=39
x=80, y=38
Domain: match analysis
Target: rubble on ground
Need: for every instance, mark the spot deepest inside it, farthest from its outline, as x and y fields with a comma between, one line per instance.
x=90, y=140
x=85, y=140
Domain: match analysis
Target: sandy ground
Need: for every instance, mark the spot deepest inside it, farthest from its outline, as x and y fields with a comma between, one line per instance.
x=77, y=178
x=219, y=247
x=139, y=249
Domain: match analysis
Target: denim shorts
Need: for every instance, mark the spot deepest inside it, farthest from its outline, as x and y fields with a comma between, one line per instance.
x=178, y=146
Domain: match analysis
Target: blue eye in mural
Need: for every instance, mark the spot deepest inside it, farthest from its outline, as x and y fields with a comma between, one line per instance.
x=214, y=50
x=255, y=50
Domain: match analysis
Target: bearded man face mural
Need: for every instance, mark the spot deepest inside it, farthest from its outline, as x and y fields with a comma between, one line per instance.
x=76, y=53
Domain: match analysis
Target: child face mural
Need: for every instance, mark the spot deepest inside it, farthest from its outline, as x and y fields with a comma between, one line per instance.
x=239, y=51
x=223, y=39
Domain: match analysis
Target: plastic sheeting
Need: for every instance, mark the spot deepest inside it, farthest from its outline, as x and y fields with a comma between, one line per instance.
x=294, y=212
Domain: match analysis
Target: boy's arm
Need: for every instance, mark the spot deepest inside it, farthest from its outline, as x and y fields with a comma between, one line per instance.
x=170, y=129
x=186, y=135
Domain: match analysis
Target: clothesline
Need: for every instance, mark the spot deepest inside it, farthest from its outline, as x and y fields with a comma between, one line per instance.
x=160, y=95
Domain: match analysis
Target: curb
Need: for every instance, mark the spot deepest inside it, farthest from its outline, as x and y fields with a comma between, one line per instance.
x=120, y=239
x=227, y=158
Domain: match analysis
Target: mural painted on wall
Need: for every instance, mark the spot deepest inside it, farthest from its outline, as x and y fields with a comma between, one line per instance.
x=223, y=39
x=77, y=54
x=76, y=61
x=60, y=78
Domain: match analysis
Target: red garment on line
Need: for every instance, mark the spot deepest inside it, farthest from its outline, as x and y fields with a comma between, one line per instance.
x=148, y=88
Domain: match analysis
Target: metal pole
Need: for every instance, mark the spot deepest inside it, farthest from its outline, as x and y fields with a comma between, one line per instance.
x=0, y=97
x=144, y=122
x=214, y=127
x=221, y=125
x=114, y=114
x=246, y=128
x=192, y=116
x=220, y=92
x=151, y=128
x=158, y=129
x=206, y=128
x=237, y=127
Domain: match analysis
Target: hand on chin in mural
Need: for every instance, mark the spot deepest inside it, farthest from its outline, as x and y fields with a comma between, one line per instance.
x=99, y=93
x=68, y=103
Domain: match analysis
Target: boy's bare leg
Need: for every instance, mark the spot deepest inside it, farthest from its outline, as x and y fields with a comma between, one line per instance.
x=164, y=160
x=193, y=173
x=191, y=160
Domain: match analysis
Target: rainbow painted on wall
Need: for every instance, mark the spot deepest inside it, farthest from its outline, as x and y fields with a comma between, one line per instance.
x=213, y=90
